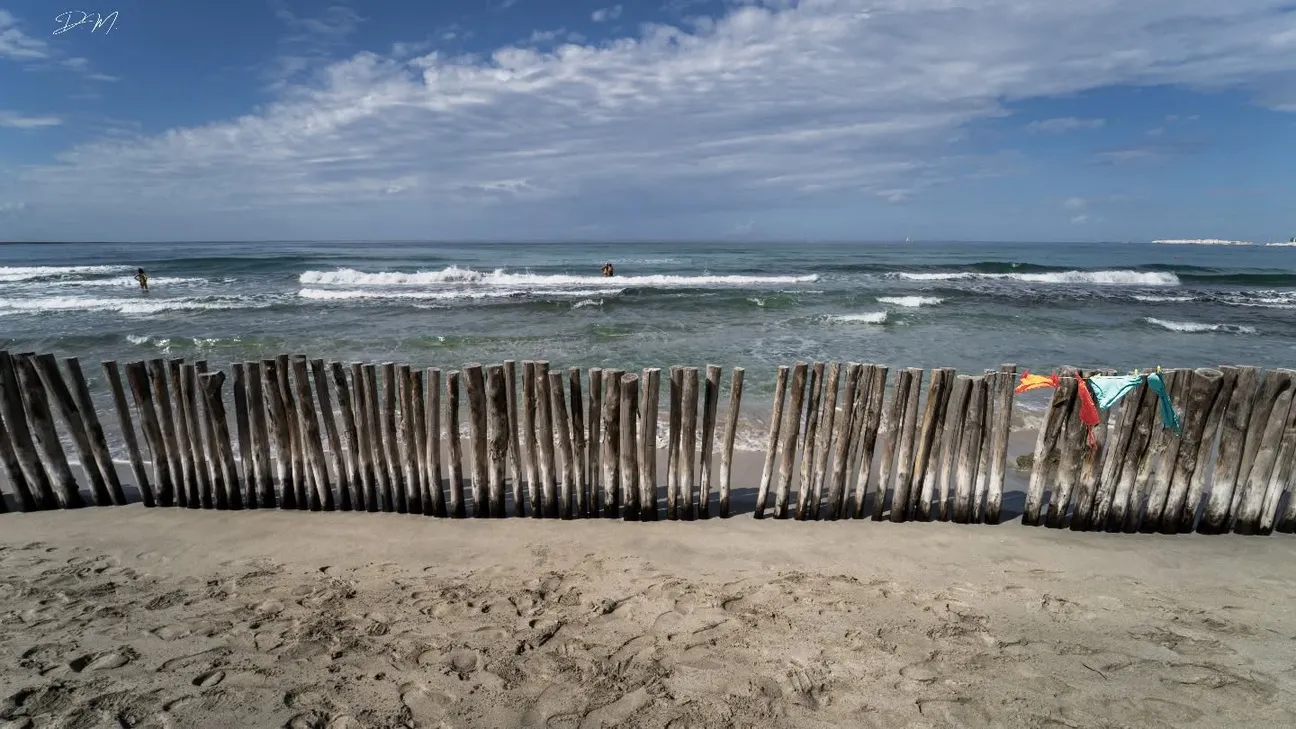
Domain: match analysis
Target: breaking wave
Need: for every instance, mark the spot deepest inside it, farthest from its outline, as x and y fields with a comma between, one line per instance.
x=500, y=277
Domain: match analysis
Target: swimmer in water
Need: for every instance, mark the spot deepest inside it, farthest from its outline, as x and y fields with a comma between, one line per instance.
x=608, y=270
x=142, y=278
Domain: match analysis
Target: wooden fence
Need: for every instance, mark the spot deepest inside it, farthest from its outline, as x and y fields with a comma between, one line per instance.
x=312, y=435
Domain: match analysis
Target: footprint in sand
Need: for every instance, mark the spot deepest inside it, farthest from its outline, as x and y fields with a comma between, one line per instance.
x=425, y=704
x=104, y=661
x=209, y=679
x=170, y=632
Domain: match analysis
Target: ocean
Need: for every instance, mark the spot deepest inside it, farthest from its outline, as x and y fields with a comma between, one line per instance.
x=966, y=305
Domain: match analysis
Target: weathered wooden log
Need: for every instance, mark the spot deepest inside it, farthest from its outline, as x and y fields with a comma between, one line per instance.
x=475, y=389
x=675, y=417
x=1146, y=444
x=1090, y=470
x=545, y=441
x=789, y=432
x=529, y=408
x=1071, y=447
x=336, y=447
x=137, y=380
x=1272, y=384
x=279, y=427
x=1226, y=476
x=457, y=509
x=313, y=442
x=113, y=377
x=13, y=470
x=1250, y=508
x=1118, y=443
x=842, y=444
x=710, y=399
x=858, y=418
x=188, y=484
x=1281, y=478
x=611, y=443
x=243, y=428
x=162, y=399
x=1205, y=450
x=688, y=442
x=296, y=453
x=771, y=443
x=202, y=490
x=223, y=451
x=592, y=444
x=386, y=496
x=94, y=430
x=956, y=407
x=514, y=454
x=1160, y=492
x=41, y=421
x=629, y=448
x=566, y=466
x=648, y=454
x=419, y=415
x=731, y=433
x=983, y=462
x=808, y=449
x=891, y=443
x=1203, y=385
x=56, y=388
x=822, y=451
x=926, y=463
x=411, y=474
x=1049, y=432
x=391, y=437
x=1002, y=429
x=576, y=419
x=367, y=489
x=497, y=438
x=211, y=456
x=868, y=435
x=260, y=436
x=970, y=449
x=35, y=490
x=434, y=441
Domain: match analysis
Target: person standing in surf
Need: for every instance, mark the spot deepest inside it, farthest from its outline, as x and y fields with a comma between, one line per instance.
x=142, y=278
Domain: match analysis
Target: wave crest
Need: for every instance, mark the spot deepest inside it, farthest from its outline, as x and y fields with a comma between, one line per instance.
x=1094, y=278
x=500, y=277
x=1192, y=327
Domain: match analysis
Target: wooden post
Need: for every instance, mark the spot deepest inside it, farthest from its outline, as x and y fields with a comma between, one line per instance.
x=710, y=399
x=475, y=388
x=820, y=451
x=688, y=443
x=1117, y=445
x=1002, y=426
x=545, y=441
x=300, y=480
x=497, y=437
x=457, y=509
x=983, y=462
x=648, y=455
x=337, y=448
x=514, y=454
x=771, y=443
x=221, y=451
x=419, y=415
x=611, y=442
x=929, y=442
x=127, y=430
x=13, y=469
x=434, y=441
x=841, y=459
x=39, y=490
x=41, y=421
x=94, y=430
x=731, y=432
x=162, y=398
x=904, y=468
x=201, y=488
x=674, y=419
x=1281, y=478
x=1145, y=444
x=956, y=408
x=367, y=487
x=311, y=439
x=260, y=436
x=47, y=370
x=868, y=435
x=576, y=420
x=187, y=489
x=1203, y=385
x=1206, y=449
x=629, y=448
x=969, y=454
x=1272, y=384
x=386, y=497
x=1247, y=520
x=243, y=428
x=1071, y=446
x=1049, y=432
x=390, y=438
x=1228, y=460
x=593, y=444
x=212, y=457
x=1178, y=388
x=789, y=431
x=808, y=452
x=278, y=417
x=891, y=445
x=137, y=380
x=566, y=465
x=411, y=474
x=529, y=408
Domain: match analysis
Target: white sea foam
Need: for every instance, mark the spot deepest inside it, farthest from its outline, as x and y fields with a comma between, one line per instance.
x=28, y=273
x=1096, y=278
x=499, y=277
x=1290, y=244
x=912, y=302
x=872, y=317
x=587, y=302
x=121, y=281
x=127, y=306
x=379, y=294
x=1164, y=299
x=1192, y=327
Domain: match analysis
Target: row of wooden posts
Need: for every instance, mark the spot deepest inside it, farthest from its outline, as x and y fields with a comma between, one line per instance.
x=560, y=454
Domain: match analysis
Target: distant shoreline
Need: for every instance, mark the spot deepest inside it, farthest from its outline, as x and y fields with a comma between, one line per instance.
x=1216, y=242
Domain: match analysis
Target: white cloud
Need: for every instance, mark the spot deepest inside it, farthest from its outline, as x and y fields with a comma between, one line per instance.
x=14, y=120
x=821, y=103
x=1063, y=124
x=1075, y=203
x=16, y=44
x=1080, y=220
x=602, y=15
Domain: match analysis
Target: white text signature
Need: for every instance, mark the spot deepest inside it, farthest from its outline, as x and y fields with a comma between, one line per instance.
x=96, y=21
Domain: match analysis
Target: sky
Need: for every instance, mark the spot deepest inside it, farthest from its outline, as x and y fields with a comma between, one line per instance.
x=1012, y=120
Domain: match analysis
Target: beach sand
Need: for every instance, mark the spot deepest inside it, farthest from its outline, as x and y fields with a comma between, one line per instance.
x=141, y=617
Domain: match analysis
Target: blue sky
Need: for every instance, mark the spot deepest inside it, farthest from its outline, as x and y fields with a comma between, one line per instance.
x=665, y=119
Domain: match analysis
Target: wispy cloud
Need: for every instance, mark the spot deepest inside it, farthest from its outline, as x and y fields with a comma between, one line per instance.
x=14, y=120
x=1146, y=153
x=1075, y=203
x=603, y=15
x=16, y=44
x=777, y=104
x=1080, y=219
x=311, y=41
x=1063, y=124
